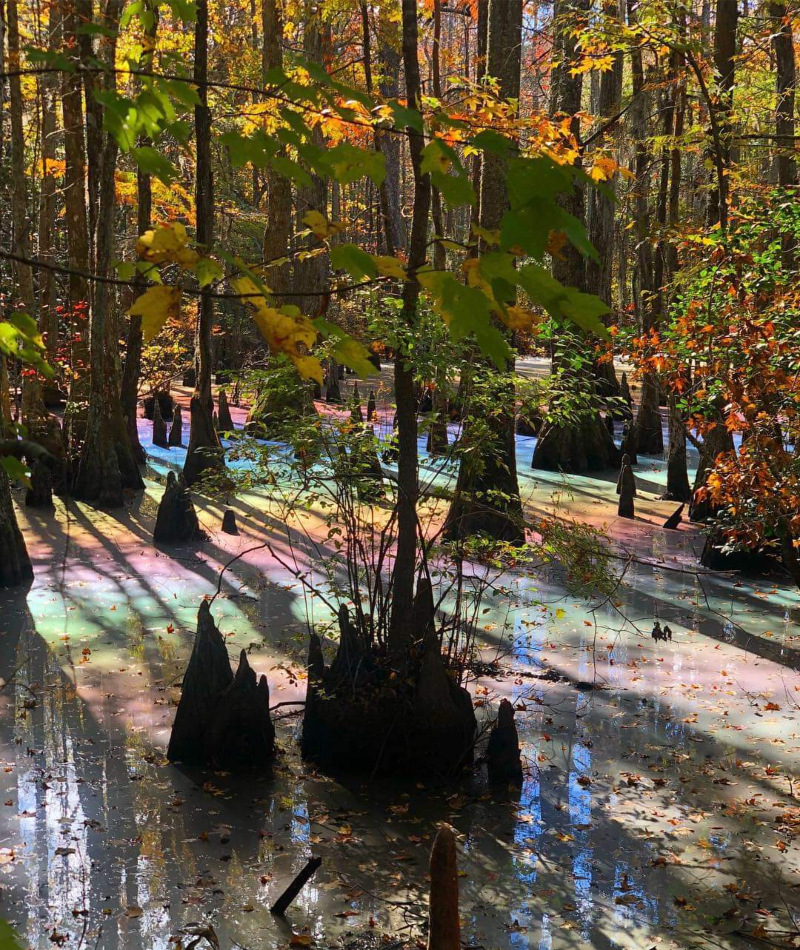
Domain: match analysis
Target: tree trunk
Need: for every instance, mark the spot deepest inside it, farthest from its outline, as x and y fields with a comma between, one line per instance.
x=783, y=47
x=15, y=565
x=77, y=235
x=677, y=478
x=33, y=410
x=649, y=436
x=205, y=450
x=279, y=189
x=107, y=465
x=586, y=445
x=487, y=498
x=310, y=275
x=48, y=316
x=601, y=210
x=133, y=349
x=722, y=103
x=400, y=632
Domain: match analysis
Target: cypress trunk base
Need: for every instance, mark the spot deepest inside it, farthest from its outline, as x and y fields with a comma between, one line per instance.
x=205, y=453
x=585, y=447
x=361, y=718
x=107, y=466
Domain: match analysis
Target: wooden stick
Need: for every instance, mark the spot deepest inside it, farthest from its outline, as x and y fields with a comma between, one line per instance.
x=281, y=904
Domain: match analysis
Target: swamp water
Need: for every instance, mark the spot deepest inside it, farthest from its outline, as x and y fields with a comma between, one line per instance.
x=659, y=804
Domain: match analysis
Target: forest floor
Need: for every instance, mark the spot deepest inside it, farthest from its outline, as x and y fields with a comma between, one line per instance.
x=660, y=802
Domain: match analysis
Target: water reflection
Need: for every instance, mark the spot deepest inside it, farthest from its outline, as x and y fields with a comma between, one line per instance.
x=654, y=771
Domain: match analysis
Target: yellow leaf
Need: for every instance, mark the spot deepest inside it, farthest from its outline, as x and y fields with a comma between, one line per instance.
x=389, y=267
x=320, y=225
x=163, y=243
x=155, y=306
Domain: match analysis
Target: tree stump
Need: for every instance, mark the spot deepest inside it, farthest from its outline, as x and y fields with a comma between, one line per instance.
x=176, y=429
x=340, y=371
x=225, y=419
x=626, y=489
x=176, y=520
x=375, y=359
x=40, y=493
x=229, y=522
x=15, y=565
x=190, y=378
x=207, y=677
x=503, y=760
x=444, y=926
x=159, y=427
x=372, y=415
x=241, y=734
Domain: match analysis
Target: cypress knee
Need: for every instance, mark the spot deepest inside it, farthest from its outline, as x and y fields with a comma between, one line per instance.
x=159, y=426
x=626, y=489
x=444, y=930
x=207, y=676
x=225, y=419
x=503, y=759
x=176, y=429
x=176, y=520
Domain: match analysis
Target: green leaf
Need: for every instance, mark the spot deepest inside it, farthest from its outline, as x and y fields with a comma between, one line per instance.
x=356, y=262
x=207, y=271
x=491, y=141
x=95, y=29
x=346, y=349
x=154, y=163
x=455, y=189
x=18, y=473
x=254, y=149
x=291, y=170
x=405, y=118
x=582, y=309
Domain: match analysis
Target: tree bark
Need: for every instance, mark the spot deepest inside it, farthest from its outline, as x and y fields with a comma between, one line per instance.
x=107, y=465
x=487, y=497
x=144, y=207
x=204, y=452
x=649, y=436
x=400, y=632
x=783, y=47
x=279, y=189
x=722, y=103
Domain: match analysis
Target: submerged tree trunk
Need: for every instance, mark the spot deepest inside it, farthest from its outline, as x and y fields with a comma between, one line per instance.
x=487, y=497
x=204, y=452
